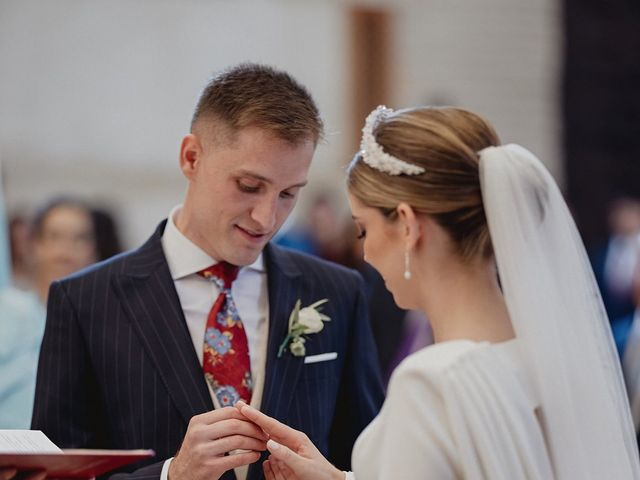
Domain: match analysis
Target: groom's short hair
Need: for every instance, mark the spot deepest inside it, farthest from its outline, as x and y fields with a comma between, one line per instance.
x=253, y=95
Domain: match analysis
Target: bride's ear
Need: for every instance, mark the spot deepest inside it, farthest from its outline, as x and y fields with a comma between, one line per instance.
x=411, y=227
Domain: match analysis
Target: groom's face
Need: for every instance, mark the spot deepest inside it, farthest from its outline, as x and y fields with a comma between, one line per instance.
x=240, y=191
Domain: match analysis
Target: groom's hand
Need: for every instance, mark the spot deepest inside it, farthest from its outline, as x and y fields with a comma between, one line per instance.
x=205, y=451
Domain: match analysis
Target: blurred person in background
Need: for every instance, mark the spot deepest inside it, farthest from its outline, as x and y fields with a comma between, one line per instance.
x=415, y=335
x=22, y=319
x=628, y=331
x=326, y=229
x=319, y=232
x=614, y=263
x=106, y=232
x=21, y=325
x=21, y=258
x=63, y=240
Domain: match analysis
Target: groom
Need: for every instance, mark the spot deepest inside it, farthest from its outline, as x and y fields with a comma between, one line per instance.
x=145, y=350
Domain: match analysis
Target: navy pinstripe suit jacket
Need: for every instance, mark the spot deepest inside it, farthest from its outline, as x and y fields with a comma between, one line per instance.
x=118, y=368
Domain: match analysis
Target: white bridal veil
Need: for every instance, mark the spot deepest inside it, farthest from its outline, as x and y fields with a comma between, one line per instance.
x=559, y=319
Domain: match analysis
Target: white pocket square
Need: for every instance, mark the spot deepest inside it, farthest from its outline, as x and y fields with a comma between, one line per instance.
x=322, y=357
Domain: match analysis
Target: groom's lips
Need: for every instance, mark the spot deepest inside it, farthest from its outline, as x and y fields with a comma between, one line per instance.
x=251, y=236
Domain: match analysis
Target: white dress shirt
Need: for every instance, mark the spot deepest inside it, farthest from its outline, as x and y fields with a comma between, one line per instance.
x=198, y=294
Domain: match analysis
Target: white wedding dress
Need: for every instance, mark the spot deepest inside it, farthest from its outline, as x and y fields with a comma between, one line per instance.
x=456, y=410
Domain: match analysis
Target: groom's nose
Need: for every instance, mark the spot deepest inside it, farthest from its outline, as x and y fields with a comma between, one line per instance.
x=264, y=213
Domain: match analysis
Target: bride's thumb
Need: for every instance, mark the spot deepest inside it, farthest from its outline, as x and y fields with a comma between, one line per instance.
x=284, y=454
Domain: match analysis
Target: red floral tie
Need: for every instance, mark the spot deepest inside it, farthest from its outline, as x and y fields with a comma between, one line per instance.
x=226, y=362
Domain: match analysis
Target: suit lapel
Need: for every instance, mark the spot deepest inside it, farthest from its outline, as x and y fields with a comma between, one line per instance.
x=150, y=300
x=285, y=288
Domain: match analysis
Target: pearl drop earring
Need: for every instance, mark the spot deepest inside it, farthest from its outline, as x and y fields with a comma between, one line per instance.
x=407, y=270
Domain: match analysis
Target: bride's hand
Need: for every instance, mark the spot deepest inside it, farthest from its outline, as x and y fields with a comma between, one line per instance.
x=276, y=470
x=293, y=456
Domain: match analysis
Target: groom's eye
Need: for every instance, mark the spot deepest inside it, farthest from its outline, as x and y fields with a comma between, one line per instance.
x=362, y=234
x=247, y=187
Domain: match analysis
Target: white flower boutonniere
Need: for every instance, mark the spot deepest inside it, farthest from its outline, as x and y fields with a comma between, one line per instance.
x=303, y=321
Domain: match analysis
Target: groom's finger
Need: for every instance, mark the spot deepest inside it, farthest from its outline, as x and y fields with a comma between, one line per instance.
x=284, y=434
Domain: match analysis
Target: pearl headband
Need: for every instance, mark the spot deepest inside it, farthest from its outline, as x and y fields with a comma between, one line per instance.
x=373, y=154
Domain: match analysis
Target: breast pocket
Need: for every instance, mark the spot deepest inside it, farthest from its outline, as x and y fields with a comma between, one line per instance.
x=320, y=367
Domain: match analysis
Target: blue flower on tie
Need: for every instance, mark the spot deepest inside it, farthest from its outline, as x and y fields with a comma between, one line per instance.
x=227, y=396
x=217, y=340
x=228, y=316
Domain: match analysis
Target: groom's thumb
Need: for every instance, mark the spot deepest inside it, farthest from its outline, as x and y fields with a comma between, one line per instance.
x=284, y=454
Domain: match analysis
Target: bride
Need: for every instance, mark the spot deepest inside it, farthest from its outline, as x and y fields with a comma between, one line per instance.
x=523, y=381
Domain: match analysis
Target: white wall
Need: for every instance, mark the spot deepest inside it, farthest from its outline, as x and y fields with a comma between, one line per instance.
x=500, y=58
x=96, y=95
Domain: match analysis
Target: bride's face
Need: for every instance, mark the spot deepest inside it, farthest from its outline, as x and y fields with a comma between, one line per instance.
x=382, y=246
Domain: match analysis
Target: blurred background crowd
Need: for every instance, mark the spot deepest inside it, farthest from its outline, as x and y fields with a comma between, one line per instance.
x=95, y=96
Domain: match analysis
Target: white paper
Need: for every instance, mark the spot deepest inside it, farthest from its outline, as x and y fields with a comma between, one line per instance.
x=26, y=441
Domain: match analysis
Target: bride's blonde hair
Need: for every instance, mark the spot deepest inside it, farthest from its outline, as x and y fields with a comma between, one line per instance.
x=445, y=141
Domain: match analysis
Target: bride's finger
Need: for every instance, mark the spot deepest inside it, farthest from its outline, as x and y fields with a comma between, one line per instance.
x=269, y=474
x=285, y=471
x=284, y=434
x=282, y=471
x=283, y=455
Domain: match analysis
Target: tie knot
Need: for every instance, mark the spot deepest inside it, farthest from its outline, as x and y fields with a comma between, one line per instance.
x=223, y=271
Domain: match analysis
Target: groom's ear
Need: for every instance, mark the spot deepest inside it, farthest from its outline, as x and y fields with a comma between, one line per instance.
x=190, y=155
x=411, y=228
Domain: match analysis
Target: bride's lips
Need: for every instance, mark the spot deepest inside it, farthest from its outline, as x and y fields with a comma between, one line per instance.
x=251, y=236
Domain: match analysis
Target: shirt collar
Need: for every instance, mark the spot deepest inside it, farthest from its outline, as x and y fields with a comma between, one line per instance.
x=185, y=257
